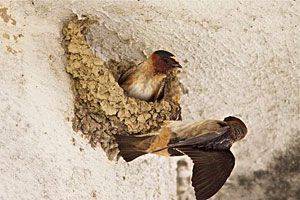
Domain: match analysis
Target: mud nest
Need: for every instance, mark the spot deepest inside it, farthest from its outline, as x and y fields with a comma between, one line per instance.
x=101, y=108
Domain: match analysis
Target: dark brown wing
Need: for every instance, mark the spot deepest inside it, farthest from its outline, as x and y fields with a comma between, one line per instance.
x=125, y=75
x=160, y=92
x=201, y=139
x=211, y=170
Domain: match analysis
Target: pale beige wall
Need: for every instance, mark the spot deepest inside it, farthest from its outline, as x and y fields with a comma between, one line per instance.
x=240, y=58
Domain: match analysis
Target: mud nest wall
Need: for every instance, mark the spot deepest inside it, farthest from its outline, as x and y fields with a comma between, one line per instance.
x=101, y=107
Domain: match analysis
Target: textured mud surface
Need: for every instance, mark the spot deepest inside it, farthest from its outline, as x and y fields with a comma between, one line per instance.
x=101, y=108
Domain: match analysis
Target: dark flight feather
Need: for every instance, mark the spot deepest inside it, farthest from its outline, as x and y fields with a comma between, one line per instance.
x=160, y=93
x=211, y=170
x=202, y=139
x=126, y=74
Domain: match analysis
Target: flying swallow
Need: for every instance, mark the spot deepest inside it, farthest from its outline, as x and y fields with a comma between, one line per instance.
x=146, y=81
x=207, y=143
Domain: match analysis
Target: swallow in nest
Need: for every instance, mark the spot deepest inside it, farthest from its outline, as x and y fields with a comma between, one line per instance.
x=147, y=80
x=207, y=143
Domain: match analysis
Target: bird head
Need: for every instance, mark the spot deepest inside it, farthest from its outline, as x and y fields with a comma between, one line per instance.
x=164, y=61
x=238, y=128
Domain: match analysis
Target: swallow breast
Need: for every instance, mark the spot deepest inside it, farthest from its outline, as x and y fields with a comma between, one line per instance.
x=145, y=87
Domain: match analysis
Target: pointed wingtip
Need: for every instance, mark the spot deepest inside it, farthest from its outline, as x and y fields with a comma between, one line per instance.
x=210, y=172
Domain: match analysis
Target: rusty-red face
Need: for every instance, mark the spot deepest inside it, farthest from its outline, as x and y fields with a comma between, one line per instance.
x=164, y=61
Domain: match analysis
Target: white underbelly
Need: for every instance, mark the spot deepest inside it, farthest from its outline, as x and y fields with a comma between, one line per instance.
x=141, y=91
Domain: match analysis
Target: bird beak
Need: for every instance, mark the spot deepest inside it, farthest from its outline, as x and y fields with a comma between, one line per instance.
x=177, y=65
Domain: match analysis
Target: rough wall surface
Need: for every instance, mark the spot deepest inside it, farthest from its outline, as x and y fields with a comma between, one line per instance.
x=240, y=58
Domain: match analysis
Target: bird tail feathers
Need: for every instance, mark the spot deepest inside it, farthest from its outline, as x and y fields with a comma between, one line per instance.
x=132, y=147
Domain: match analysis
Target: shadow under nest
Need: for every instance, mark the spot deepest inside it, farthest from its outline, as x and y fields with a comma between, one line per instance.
x=101, y=107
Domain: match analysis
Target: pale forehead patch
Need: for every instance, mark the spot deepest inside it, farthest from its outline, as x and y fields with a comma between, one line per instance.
x=174, y=58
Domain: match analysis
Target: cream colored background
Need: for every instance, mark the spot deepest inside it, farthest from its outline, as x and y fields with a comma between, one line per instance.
x=240, y=58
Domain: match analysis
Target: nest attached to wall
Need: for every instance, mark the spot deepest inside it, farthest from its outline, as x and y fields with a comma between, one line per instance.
x=101, y=107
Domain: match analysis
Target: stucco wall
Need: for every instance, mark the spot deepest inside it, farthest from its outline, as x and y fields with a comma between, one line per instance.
x=240, y=58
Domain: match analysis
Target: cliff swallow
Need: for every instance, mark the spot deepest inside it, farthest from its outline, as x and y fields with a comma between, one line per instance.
x=146, y=81
x=207, y=143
